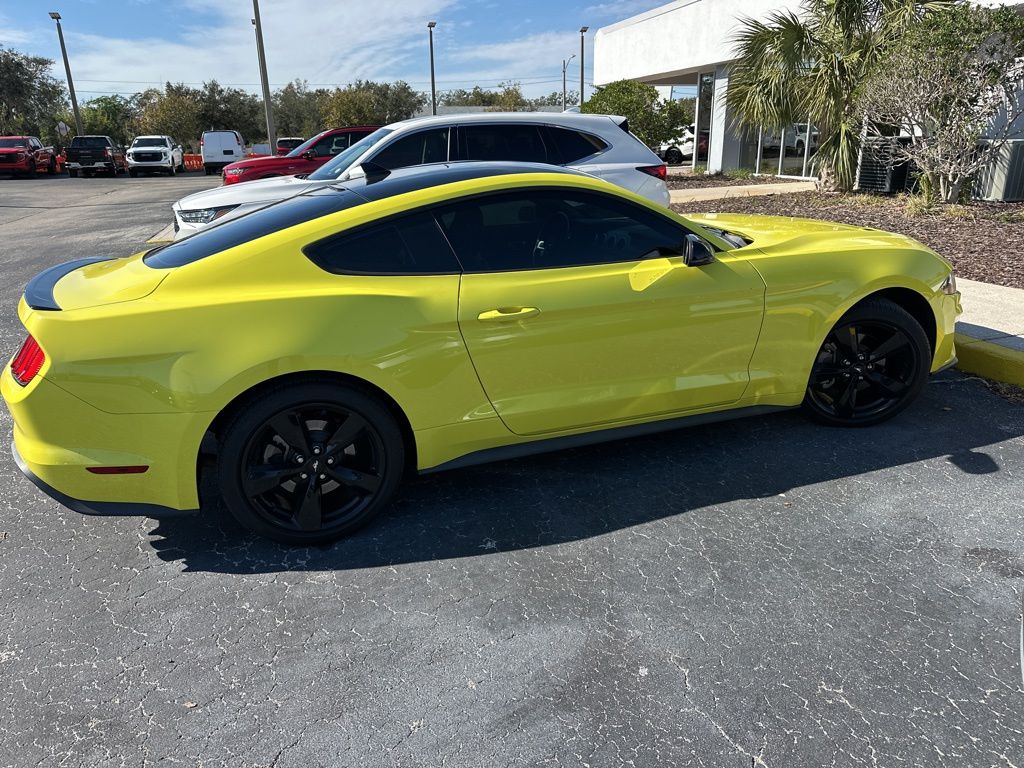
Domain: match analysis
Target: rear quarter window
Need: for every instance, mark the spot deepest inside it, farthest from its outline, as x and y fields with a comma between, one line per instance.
x=574, y=146
x=404, y=245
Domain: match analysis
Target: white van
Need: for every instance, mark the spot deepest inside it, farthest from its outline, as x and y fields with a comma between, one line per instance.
x=220, y=148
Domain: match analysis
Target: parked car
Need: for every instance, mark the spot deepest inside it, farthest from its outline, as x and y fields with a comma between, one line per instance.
x=286, y=144
x=305, y=158
x=89, y=154
x=436, y=317
x=681, y=148
x=800, y=138
x=220, y=148
x=26, y=156
x=598, y=144
x=155, y=153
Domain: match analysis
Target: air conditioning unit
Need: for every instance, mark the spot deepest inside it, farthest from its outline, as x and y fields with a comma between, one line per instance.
x=1003, y=179
x=879, y=171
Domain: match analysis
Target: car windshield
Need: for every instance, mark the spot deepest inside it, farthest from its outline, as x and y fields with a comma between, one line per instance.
x=343, y=160
x=150, y=142
x=11, y=143
x=303, y=147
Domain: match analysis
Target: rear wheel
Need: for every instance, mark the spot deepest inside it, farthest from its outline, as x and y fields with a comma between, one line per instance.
x=309, y=463
x=872, y=365
x=133, y=172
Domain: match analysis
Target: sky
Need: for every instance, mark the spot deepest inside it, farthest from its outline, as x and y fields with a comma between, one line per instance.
x=124, y=46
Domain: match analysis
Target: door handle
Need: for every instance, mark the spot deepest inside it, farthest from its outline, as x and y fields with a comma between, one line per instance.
x=507, y=314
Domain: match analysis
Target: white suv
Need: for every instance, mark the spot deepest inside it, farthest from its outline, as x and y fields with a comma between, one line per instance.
x=600, y=145
x=155, y=153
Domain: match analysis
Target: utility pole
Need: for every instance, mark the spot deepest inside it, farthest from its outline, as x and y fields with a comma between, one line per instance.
x=67, y=69
x=565, y=66
x=433, y=86
x=583, y=31
x=271, y=133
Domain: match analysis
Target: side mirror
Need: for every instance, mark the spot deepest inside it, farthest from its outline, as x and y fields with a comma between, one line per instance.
x=309, y=154
x=697, y=251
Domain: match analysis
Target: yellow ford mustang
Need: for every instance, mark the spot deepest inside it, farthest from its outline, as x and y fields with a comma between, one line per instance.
x=441, y=316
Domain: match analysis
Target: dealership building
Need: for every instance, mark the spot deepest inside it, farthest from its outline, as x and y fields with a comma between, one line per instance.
x=686, y=46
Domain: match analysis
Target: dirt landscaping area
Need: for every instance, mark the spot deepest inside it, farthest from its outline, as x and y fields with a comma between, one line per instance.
x=702, y=181
x=982, y=240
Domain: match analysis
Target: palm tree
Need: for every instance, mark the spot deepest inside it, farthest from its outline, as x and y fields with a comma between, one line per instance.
x=792, y=67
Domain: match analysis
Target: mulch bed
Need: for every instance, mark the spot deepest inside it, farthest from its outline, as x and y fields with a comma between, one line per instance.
x=984, y=241
x=702, y=181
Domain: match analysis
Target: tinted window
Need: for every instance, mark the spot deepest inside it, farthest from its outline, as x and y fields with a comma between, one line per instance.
x=335, y=167
x=404, y=246
x=331, y=145
x=415, y=149
x=519, y=143
x=542, y=229
x=259, y=223
x=575, y=145
x=90, y=142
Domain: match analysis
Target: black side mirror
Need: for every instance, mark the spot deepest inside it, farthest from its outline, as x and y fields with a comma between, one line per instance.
x=309, y=154
x=698, y=251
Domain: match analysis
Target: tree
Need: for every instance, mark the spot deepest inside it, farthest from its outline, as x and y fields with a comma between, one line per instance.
x=813, y=65
x=176, y=113
x=297, y=110
x=954, y=78
x=368, y=103
x=223, y=108
x=31, y=100
x=460, y=97
x=113, y=116
x=651, y=119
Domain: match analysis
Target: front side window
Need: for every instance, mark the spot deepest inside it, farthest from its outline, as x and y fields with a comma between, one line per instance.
x=407, y=245
x=552, y=228
x=331, y=145
x=418, y=148
x=334, y=169
x=510, y=143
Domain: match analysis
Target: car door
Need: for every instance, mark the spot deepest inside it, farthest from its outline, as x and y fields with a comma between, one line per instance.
x=578, y=311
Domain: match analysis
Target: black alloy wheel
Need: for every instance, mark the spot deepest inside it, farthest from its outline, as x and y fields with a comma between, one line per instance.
x=308, y=464
x=673, y=156
x=872, y=365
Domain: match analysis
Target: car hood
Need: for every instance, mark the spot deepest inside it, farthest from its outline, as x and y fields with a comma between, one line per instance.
x=770, y=232
x=259, y=191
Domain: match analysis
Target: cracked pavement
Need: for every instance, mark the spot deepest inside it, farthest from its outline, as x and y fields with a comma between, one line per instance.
x=764, y=592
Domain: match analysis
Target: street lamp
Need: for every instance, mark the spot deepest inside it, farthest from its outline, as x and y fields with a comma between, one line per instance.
x=583, y=31
x=261, y=54
x=565, y=66
x=67, y=69
x=433, y=87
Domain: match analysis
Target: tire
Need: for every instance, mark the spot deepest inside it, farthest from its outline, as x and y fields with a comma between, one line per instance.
x=73, y=173
x=133, y=172
x=207, y=170
x=51, y=169
x=172, y=170
x=871, y=366
x=673, y=156
x=286, y=433
x=800, y=148
x=111, y=168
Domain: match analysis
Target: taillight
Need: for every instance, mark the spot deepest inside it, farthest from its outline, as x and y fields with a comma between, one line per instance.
x=26, y=364
x=657, y=171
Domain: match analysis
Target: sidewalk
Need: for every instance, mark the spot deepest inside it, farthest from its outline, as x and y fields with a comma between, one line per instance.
x=699, y=194
x=990, y=334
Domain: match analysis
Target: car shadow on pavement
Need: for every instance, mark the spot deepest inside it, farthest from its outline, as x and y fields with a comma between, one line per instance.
x=586, y=492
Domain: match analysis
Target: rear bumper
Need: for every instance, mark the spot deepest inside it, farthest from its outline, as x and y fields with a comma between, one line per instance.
x=104, y=164
x=105, y=508
x=59, y=437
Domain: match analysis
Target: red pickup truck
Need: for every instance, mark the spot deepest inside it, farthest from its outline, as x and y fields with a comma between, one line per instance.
x=305, y=158
x=26, y=156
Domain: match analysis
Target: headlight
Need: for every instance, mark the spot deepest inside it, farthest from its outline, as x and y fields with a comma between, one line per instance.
x=205, y=215
x=949, y=285
x=235, y=171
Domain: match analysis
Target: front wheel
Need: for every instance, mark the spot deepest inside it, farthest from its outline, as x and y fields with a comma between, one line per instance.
x=872, y=365
x=673, y=156
x=51, y=169
x=309, y=463
x=73, y=173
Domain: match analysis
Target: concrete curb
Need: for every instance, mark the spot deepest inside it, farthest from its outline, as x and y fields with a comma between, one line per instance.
x=165, y=235
x=991, y=359
x=743, y=190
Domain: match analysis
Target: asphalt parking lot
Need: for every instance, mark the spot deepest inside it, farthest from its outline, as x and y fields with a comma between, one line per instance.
x=757, y=593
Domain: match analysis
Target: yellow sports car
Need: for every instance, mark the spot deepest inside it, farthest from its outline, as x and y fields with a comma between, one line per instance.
x=439, y=316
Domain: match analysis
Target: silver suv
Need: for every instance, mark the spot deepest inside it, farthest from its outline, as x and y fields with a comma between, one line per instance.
x=600, y=145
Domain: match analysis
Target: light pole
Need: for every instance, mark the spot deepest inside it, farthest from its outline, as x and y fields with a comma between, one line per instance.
x=583, y=31
x=271, y=133
x=433, y=87
x=565, y=66
x=67, y=69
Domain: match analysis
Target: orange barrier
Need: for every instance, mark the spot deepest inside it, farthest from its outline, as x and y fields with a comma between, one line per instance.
x=193, y=162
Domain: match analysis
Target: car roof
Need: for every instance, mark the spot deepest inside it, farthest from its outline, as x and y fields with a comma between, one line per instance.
x=417, y=177
x=568, y=119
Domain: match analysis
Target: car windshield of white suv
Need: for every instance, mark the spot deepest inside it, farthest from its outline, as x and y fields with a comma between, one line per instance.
x=155, y=142
x=12, y=143
x=343, y=160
